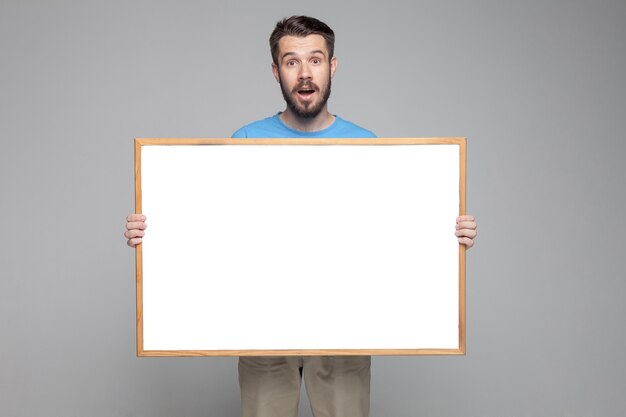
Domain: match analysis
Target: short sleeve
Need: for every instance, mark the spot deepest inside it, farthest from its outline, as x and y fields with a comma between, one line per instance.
x=240, y=133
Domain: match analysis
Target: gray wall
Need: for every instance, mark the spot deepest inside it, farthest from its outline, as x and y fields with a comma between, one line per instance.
x=538, y=87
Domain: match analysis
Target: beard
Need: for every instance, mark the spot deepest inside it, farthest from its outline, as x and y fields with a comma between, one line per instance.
x=309, y=110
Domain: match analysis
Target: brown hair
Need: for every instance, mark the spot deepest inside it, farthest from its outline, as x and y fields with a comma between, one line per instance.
x=301, y=26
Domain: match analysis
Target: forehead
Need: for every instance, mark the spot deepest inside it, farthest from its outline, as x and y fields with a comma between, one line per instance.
x=301, y=45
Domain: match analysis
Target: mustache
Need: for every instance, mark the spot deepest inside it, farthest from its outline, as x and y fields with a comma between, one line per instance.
x=305, y=85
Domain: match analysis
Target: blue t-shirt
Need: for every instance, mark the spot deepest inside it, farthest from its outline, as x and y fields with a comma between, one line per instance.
x=273, y=127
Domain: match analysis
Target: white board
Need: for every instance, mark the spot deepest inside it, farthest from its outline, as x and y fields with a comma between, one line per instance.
x=262, y=248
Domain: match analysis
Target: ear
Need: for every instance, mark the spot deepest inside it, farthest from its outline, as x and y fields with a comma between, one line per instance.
x=275, y=72
x=333, y=66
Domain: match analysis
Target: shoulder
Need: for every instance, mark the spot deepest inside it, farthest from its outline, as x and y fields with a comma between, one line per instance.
x=345, y=129
x=265, y=128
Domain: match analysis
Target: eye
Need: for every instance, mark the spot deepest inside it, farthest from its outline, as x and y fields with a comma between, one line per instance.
x=316, y=61
x=291, y=63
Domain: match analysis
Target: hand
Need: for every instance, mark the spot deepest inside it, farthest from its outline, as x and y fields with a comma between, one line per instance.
x=466, y=230
x=135, y=229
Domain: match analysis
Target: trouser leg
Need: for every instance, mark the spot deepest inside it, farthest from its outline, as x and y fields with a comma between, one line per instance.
x=270, y=386
x=338, y=386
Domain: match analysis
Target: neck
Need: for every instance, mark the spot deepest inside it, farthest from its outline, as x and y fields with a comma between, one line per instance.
x=313, y=124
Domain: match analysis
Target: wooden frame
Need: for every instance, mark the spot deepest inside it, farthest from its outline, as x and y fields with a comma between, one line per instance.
x=142, y=144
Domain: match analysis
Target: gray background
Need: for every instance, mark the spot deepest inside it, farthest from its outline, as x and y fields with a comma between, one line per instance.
x=538, y=87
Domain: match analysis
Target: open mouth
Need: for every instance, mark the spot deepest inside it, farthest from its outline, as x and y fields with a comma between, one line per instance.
x=306, y=92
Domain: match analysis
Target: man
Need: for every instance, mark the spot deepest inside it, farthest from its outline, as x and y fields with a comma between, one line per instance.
x=303, y=64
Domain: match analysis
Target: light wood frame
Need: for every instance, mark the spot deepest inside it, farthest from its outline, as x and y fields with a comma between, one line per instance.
x=142, y=142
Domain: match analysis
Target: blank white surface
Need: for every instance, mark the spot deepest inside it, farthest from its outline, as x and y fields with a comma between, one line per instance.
x=300, y=247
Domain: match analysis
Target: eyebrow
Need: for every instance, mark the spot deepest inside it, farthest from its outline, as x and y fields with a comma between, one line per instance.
x=317, y=51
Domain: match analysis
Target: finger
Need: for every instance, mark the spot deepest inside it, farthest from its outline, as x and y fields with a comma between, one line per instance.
x=466, y=241
x=466, y=225
x=465, y=218
x=133, y=242
x=136, y=225
x=466, y=232
x=136, y=218
x=130, y=234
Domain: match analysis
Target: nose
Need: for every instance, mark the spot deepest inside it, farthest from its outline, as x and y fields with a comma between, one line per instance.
x=305, y=73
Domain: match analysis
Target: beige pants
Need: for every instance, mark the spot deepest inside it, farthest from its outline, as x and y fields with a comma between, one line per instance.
x=337, y=386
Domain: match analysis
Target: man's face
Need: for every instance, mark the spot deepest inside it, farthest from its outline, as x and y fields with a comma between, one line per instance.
x=304, y=72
